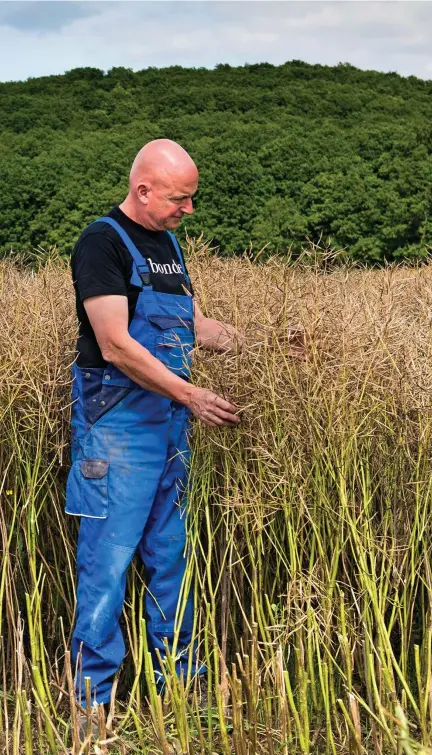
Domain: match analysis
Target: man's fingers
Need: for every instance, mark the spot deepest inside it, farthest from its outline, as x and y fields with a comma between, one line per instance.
x=214, y=411
x=207, y=419
x=233, y=419
x=221, y=418
x=225, y=405
x=211, y=421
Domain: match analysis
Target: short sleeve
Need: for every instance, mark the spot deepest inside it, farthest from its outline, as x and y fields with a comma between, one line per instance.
x=97, y=266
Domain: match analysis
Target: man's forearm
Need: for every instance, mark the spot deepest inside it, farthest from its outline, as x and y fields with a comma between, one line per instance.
x=218, y=336
x=143, y=368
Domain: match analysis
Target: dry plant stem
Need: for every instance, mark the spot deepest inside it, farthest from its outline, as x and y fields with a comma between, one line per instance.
x=88, y=732
x=72, y=702
x=102, y=730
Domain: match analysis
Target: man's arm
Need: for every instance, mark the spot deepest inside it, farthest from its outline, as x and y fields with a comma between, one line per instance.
x=108, y=317
x=220, y=336
x=215, y=335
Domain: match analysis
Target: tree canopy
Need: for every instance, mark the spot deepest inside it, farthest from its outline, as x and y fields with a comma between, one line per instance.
x=285, y=153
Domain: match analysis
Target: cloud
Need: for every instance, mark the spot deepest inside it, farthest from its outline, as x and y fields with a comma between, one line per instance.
x=44, y=16
x=39, y=38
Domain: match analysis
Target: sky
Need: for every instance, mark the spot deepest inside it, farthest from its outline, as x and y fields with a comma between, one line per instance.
x=45, y=37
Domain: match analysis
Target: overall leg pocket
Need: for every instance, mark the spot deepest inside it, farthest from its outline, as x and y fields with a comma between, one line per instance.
x=87, y=488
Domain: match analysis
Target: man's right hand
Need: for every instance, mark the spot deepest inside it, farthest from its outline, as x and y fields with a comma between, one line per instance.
x=211, y=409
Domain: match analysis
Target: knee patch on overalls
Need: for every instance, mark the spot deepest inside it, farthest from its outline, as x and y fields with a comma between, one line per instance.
x=101, y=596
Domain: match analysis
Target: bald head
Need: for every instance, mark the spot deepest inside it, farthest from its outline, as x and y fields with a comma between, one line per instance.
x=162, y=182
x=161, y=159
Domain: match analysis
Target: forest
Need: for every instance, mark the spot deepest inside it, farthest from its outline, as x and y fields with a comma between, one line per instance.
x=288, y=155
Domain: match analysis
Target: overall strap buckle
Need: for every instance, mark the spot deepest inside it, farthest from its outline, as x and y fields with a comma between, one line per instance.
x=144, y=274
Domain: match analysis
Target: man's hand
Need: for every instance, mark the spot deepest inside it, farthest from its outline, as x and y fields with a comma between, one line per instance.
x=211, y=409
x=292, y=341
x=215, y=335
x=295, y=342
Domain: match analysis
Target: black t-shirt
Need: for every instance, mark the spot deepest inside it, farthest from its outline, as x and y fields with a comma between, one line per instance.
x=102, y=265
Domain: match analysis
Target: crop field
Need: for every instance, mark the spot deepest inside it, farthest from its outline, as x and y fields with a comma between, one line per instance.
x=310, y=526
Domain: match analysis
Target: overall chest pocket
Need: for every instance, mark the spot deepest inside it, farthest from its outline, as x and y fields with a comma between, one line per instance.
x=173, y=340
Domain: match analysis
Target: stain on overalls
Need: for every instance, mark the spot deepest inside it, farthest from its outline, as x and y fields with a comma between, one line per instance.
x=129, y=472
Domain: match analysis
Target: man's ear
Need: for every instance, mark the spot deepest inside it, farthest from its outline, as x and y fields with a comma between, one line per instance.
x=143, y=192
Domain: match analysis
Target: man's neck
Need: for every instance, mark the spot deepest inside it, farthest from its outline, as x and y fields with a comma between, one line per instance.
x=129, y=209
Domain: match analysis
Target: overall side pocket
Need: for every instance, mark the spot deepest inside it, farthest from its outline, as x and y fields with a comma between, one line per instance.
x=87, y=488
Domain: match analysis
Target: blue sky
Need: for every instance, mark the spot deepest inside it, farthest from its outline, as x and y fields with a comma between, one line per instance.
x=47, y=37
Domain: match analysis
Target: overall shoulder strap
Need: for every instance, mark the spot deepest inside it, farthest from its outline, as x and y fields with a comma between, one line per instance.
x=140, y=261
x=179, y=254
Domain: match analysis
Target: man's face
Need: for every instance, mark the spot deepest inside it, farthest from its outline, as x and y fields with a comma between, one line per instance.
x=167, y=200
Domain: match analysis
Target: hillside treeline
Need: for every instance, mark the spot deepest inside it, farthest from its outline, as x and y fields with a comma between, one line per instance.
x=286, y=153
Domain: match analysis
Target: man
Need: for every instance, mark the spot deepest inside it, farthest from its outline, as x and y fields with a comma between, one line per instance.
x=132, y=405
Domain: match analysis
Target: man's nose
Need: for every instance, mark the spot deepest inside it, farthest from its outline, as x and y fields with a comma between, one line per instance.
x=188, y=207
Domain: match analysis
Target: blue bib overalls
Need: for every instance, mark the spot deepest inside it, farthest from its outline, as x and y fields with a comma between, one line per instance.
x=128, y=477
